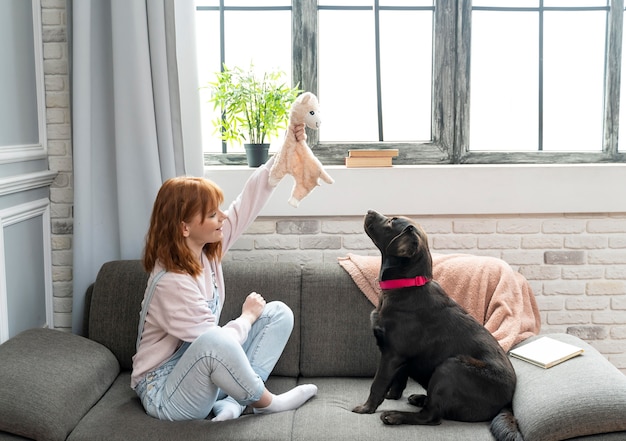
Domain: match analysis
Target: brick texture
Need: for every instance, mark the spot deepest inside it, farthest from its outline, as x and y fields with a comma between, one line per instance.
x=58, y=130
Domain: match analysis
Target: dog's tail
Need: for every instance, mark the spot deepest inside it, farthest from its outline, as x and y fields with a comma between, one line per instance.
x=504, y=426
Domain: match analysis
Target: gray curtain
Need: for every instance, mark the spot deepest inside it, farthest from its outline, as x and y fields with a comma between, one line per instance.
x=135, y=122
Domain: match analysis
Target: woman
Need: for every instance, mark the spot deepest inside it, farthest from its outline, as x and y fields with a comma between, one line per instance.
x=186, y=365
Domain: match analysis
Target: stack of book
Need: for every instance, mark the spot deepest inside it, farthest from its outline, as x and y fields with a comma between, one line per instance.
x=371, y=157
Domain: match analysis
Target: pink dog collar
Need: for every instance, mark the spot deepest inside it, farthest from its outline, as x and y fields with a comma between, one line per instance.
x=404, y=283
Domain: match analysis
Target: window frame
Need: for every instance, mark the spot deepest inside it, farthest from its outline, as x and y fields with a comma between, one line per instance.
x=450, y=95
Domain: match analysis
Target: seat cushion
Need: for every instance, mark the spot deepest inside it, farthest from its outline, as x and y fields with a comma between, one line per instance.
x=329, y=416
x=50, y=379
x=585, y=395
x=119, y=416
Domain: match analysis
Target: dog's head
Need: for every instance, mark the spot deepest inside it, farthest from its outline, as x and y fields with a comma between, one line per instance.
x=402, y=243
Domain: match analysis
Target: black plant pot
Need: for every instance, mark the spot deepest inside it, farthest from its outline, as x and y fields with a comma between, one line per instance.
x=256, y=154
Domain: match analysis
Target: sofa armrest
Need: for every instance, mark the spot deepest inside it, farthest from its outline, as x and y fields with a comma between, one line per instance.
x=50, y=379
x=585, y=395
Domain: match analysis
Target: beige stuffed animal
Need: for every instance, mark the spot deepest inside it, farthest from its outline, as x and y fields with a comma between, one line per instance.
x=295, y=157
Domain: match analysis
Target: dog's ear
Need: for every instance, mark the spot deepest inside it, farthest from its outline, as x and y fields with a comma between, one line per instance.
x=404, y=244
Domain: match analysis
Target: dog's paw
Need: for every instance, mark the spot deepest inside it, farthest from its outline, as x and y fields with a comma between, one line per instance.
x=363, y=409
x=392, y=418
x=418, y=400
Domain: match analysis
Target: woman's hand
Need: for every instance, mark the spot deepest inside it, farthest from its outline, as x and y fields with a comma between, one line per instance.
x=299, y=132
x=252, y=307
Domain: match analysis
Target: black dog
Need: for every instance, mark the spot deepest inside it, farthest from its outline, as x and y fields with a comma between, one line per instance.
x=424, y=334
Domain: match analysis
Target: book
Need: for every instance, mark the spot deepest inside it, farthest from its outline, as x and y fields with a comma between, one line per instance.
x=367, y=153
x=382, y=161
x=546, y=352
x=371, y=157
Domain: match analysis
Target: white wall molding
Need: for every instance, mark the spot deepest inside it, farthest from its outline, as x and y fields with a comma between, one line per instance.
x=11, y=216
x=39, y=150
x=26, y=181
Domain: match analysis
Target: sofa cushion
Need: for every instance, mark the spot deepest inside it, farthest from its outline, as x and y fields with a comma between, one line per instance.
x=120, y=417
x=282, y=283
x=5, y=436
x=120, y=285
x=582, y=396
x=50, y=379
x=337, y=338
x=329, y=416
x=115, y=306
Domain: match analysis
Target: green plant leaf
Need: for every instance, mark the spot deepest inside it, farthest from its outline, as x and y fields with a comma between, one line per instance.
x=254, y=107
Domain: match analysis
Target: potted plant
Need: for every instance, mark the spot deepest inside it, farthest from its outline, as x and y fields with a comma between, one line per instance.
x=253, y=108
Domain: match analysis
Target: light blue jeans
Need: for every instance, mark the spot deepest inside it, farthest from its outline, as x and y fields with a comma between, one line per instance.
x=215, y=365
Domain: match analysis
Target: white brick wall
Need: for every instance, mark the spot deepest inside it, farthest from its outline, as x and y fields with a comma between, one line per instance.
x=576, y=264
x=58, y=123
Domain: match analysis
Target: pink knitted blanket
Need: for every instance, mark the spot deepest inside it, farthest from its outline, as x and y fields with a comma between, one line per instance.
x=488, y=288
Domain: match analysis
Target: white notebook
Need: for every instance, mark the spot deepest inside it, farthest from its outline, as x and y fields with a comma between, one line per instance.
x=546, y=352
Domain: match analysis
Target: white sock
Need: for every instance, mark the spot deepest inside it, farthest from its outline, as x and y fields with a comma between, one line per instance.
x=227, y=409
x=290, y=400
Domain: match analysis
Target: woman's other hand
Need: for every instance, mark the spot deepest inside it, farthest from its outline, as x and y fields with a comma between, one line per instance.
x=252, y=307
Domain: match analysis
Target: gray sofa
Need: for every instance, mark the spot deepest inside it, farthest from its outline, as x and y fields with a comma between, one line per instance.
x=57, y=386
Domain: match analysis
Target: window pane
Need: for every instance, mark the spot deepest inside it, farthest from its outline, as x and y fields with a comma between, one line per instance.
x=350, y=3
x=507, y=4
x=504, y=81
x=262, y=38
x=259, y=37
x=574, y=3
x=406, y=3
x=255, y=3
x=208, y=59
x=347, y=76
x=347, y=72
x=406, y=72
x=573, y=80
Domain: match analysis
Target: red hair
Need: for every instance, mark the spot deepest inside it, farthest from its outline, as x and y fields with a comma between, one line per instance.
x=178, y=201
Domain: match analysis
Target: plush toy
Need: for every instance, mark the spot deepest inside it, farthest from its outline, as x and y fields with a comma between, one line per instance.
x=295, y=157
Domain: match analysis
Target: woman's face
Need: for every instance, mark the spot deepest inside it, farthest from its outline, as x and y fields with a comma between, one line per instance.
x=199, y=231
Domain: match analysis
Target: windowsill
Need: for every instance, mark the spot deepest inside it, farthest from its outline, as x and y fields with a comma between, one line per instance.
x=447, y=190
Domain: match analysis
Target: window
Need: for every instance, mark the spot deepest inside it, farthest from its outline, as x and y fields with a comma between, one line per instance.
x=239, y=33
x=373, y=88
x=446, y=81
